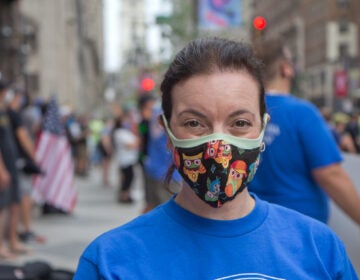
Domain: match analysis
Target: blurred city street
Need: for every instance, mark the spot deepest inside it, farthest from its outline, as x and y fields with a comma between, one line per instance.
x=84, y=81
x=97, y=211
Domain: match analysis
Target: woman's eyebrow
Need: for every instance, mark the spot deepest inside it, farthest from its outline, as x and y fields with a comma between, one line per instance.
x=192, y=112
x=241, y=112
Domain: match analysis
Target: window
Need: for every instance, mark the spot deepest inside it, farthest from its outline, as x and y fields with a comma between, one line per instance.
x=343, y=25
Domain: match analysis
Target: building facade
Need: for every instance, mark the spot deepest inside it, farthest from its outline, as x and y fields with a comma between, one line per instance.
x=324, y=38
x=66, y=57
x=12, y=49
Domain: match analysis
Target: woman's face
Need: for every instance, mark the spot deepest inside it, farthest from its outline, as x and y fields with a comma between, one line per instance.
x=220, y=102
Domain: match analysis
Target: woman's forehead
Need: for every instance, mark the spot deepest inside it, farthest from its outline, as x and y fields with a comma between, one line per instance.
x=217, y=92
x=222, y=84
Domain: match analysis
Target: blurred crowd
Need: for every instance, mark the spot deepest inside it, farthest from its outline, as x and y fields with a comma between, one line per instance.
x=127, y=139
x=345, y=129
x=132, y=137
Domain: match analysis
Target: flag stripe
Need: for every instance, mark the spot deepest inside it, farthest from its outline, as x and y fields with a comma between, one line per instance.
x=60, y=177
x=53, y=153
x=53, y=150
x=58, y=167
x=64, y=194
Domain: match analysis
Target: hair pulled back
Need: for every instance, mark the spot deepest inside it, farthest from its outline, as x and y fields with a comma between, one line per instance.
x=206, y=56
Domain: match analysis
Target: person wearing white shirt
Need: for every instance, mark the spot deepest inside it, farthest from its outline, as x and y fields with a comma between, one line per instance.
x=126, y=156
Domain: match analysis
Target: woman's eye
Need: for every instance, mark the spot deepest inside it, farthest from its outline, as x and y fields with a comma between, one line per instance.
x=192, y=123
x=242, y=123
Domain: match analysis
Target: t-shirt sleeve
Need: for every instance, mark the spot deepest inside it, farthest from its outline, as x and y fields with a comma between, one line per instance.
x=319, y=145
x=86, y=270
x=15, y=119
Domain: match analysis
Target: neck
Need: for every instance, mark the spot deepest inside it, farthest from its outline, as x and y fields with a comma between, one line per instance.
x=239, y=207
x=280, y=86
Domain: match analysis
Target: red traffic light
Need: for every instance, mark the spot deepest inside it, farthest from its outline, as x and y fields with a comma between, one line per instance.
x=259, y=22
x=147, y=84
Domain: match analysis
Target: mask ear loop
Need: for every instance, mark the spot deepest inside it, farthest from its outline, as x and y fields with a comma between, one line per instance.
x=262, y=147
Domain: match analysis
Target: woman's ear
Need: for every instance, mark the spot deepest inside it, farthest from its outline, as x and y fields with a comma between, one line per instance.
x=161, y=122
x=169, y=145
x=283, y=70
x=287, y=69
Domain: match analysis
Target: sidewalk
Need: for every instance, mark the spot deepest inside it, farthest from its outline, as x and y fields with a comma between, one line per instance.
x=96, y=212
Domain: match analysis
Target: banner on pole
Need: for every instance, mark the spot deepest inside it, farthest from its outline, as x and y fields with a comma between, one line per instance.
x=219, y=14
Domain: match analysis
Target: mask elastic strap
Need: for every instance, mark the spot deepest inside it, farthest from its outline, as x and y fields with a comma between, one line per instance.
x=262, y=147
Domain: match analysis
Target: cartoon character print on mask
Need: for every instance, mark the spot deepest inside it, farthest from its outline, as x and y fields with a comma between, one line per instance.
x=193, y=166
x=217, y=167
x=219, y=151
x=253, y=167
x=213, y=189
x=236, y=174
x=210, y=180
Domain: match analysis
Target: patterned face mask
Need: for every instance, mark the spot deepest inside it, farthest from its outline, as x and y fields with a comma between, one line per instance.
x=218, y=166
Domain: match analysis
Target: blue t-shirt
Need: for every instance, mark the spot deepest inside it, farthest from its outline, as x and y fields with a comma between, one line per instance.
x=297, y=141
x=271, y=242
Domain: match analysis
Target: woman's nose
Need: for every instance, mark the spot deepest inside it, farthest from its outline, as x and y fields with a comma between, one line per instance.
x=218, y=128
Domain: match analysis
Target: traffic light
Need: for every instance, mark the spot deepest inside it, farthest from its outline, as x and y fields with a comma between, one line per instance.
x=147, y=84
x=259, y=24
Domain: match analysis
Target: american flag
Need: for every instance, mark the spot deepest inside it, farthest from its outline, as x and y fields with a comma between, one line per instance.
x=53, y=153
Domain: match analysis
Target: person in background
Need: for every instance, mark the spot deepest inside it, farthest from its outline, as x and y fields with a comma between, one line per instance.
x=32, y=117
x=301, y=165
x=145, y=107
x=76, y=132
x=95, y=127
x=326, y=113
x=157, y=162
x=353, y=128
x=342, y=136
x=26, y=154
x=82, y=160
x=10, y=197
x=214, y=115
x=105, y=149
x=126, y=156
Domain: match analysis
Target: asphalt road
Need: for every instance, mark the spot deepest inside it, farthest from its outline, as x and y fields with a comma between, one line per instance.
x=347, y=230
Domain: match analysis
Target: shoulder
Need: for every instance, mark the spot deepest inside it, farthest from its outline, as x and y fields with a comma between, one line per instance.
x=126, y=238
x=300, y=226
x=304, y=113
x=290, y=101
x=15, y=118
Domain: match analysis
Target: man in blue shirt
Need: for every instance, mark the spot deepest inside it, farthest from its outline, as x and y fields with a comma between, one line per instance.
x=301, y=165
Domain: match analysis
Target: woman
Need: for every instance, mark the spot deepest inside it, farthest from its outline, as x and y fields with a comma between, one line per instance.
x=126, y=156
x=105, y=148
x=214, y=114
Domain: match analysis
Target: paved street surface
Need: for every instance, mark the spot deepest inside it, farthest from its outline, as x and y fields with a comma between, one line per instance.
x=97, y=211
x=347, y=230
